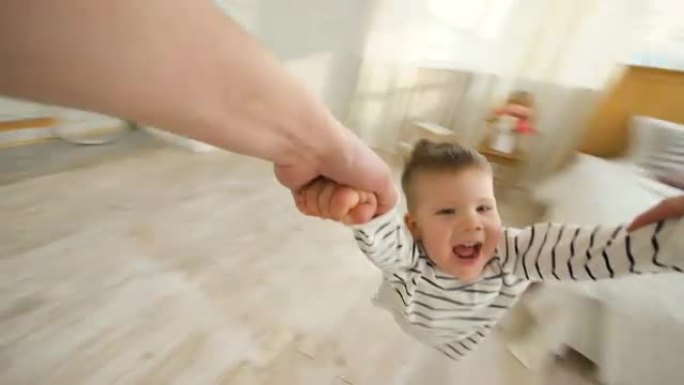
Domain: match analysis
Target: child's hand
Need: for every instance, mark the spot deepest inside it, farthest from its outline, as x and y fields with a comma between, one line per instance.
x=326, y=199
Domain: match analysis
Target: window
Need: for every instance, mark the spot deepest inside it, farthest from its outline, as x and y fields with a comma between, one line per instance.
x=460, y=33
x=483, y=18
x=660, y=36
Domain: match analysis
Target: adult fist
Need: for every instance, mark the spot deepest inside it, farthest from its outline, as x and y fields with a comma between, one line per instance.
x=348, y=161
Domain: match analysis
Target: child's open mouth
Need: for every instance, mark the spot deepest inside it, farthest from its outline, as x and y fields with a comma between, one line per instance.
x=468, y=251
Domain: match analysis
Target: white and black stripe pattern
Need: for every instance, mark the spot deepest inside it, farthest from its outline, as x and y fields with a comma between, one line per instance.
x=454, y=316
x=592, y=253
x=384, y=245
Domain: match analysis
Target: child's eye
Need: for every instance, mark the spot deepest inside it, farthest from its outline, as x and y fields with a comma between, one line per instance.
x=446, y=212
x=484, y=209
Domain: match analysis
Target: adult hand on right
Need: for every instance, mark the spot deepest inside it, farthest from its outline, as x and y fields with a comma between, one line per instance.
x=666, y=209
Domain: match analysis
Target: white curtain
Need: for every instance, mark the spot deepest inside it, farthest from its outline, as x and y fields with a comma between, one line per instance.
x=499, y=44
x=387, y=74
x=570, y=42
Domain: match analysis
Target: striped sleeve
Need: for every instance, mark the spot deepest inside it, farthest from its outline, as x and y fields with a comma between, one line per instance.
x=563, y=252
x=387, y=243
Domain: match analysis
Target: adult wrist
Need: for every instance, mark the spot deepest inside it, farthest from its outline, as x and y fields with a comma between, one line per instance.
x=324, y=145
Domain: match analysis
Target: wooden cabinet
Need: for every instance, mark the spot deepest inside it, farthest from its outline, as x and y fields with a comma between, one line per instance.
x=654, y=92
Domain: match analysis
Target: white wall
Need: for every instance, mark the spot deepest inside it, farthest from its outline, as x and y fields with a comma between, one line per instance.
x=319, y=41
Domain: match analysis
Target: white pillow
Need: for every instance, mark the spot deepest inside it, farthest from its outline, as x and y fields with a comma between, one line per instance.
x=657, y=145
x=641, y=139
x=659, y=189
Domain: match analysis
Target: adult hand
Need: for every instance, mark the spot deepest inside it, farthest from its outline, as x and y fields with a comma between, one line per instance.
x=348, y=162
x=666, y=209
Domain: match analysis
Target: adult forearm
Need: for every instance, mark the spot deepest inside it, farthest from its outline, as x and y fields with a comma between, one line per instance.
x=181, y=65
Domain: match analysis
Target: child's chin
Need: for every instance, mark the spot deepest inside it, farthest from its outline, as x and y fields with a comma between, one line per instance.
x=469, y=274
x=463, y=273
x=468, y=277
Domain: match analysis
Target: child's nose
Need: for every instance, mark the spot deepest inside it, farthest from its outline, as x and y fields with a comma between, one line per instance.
x=471, y=222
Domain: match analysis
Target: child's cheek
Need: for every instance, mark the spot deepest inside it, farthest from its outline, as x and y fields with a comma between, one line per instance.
x=492, y=242
x=487, y=249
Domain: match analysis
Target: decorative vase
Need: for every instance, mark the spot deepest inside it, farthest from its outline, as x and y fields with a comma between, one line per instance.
x=505, y=138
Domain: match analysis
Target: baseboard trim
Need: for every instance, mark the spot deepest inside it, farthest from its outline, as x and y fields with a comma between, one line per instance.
x=32, y=135
x=21, y=124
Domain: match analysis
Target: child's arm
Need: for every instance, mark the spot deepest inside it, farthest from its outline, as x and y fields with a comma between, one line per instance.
x=383, y=239
x=554, y=251
x=387, y=243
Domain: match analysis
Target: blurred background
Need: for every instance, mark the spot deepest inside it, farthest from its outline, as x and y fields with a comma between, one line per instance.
x=129, y=255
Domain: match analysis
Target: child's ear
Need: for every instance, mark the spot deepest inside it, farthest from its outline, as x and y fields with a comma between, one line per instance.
x=412, y=226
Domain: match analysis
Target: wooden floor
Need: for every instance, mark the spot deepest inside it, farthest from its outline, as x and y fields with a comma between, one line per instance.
x=165, y=267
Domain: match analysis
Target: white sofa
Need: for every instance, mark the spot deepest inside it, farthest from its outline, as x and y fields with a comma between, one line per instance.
x=632, y=328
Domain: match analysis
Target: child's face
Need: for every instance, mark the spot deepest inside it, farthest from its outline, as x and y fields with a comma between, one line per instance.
x=454, y=216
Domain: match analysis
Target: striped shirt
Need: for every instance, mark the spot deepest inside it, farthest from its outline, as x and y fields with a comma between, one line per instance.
x=454, y=316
